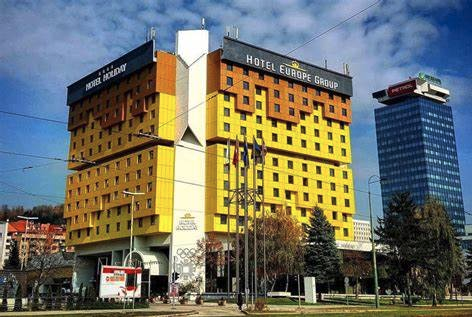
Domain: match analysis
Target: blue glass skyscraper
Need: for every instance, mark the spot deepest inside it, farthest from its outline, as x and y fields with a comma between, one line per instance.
x=416, y=145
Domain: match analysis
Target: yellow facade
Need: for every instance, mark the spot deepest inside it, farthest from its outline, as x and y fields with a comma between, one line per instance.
x=310, y=177
x=95, y=207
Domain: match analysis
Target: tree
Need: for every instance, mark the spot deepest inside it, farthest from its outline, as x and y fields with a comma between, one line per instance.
x=398, y=232
x=18, y=299
x=209, y=254
x=357, y=266
x=321, y=258
x=440, y=254
x=14, y=257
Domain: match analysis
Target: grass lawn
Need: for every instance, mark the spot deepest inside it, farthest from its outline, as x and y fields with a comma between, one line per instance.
x=401, y=312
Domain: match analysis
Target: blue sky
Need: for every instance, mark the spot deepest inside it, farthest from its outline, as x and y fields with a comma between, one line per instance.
x=46, y=45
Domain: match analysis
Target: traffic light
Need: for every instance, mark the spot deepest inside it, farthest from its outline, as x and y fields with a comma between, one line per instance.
x=175, y=276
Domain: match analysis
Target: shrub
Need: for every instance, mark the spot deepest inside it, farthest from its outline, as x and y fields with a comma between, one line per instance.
x=260, y=305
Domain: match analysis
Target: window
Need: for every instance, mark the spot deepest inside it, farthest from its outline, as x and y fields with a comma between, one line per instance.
x=258, y=105
x=276, y=192
x=274, y=123
x=347, y=203
x=333, y=201
x=303, y=143
x=226, y=127
x=258, y=119
x=318, y=170
x=343, y=99
x=304, y=89
x=258, y=91
x=344, y=174
x=305, y=101
x=274, y=137
x=302, y=129
x=288, y=210
x=335, y=215
x=223, y=219
x=344, y=217
x=275, y=177
x=346, y=232
x=291, y=97
x=118, y=226
x=319, y=184
x=229, y=67
x=140, y=222
x=290, y=179
x=344, y=112
x=316, y=119
x=331, y=108
x=261, y=76
x=229, y=81
x=259, y=174
x=149, y=203
x=303, y=212
x=302, y=116
x=346, y=189
x=242, y=116
x=331, y=96
x=245, y=100
x=330, y=135
x=317, y=146
x=343, y=138
x=330, y=149
x=226, y=97
x=259, y=134
x=107, y=228
x=245, y=85
x=275, y=161
x=97, y=230
x=243, y=130
x=291, y=111
x=320, y=199
x=331, y=172
x=317, y=133
x=304, y=167
x=153, y=220
x=288, y=194
x=276, y=80
x=305, y=181
x=290, y=84
x=289, y=140
x=290, y=164
x=329, y=123
x=333, y=186
x=276, y=94
x=226, y=112
x=343, y=152
x=276, y=107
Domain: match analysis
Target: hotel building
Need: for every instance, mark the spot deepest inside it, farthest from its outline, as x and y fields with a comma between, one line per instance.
x=158, y=123
x=417, y=146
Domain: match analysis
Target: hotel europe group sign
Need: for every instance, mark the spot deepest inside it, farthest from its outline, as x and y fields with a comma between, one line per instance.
x=111, y=73
x=246, y=54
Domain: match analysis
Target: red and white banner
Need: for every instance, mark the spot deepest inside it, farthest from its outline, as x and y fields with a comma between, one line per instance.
x=120, y=282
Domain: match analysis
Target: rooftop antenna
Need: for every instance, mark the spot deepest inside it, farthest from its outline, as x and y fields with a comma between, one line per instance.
x=232, y=31
x=202, y=26
x=347, y=69
x=153, y=33
x=326, y=63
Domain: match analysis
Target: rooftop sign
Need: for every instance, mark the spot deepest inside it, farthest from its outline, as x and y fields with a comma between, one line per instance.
x=430, y=79
x=402, y=88
x=111, y=73
x=281, y=65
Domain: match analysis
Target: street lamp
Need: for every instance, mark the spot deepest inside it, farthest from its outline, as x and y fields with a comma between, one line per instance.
x=374, y=179
x=132, y=194
x=131, y=247
x=23, y=246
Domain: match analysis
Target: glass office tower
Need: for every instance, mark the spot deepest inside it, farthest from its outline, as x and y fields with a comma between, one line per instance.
x=416, y=145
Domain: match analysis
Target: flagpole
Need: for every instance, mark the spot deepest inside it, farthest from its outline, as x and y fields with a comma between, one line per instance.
x=246, y=235
x=228, y=163
x=254, y=176
x=237, y=153
x=263, y=221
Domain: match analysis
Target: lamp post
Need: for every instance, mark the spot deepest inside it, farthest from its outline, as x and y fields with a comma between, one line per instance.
x=374, y=179
x=23, y=246
x=131, y=246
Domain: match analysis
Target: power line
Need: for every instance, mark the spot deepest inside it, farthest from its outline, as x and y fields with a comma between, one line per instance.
x=26, y=168
x=32, y=117
x=34, y=156
x=28, y=193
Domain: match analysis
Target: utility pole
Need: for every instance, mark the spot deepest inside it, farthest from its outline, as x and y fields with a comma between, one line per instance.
x=374, y=259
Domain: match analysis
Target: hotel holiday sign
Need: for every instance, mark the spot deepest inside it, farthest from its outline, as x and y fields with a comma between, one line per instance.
x=268, y=61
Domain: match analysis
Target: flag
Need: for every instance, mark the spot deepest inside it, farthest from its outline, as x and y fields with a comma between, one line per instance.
x=236, y=152
x=256, y=152
x=263, y=151
x=227, y=153
x=246, y=154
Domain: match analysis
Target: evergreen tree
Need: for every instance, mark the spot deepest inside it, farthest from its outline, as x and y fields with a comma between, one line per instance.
x=398, y=231
x=440, y=254
x=18, y=299
x=14, y=257
x=321, y=255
